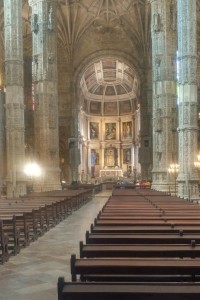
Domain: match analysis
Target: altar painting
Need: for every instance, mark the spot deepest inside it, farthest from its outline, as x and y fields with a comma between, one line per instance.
x=127, y=129
x=94, y=157
x=110, y=131
x=94, y=130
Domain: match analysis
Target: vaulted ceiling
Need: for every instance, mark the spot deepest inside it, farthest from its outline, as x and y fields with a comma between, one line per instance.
x=78, y=18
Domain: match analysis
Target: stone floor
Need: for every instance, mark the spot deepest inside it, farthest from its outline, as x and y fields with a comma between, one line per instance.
x=33, y=273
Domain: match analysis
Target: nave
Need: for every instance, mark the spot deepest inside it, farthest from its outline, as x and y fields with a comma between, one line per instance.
x=33, y=273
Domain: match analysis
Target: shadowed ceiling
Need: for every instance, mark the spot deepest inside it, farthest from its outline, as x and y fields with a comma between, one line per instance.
x=78, y=17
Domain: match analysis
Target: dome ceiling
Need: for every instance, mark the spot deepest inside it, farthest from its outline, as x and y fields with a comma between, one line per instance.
x=109, y=86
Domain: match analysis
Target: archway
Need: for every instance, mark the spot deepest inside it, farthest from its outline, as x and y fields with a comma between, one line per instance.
x=109, y=119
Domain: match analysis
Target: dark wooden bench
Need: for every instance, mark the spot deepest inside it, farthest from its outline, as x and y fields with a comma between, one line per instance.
x=78, y=197
x=157, y=213
x=4, y=239
x=140, y=250
x=133, y=269
x=164, y=228
x=147, y=221
x=12, y=231
x=126, y=291
x=30, y=223
x=143, y=238
x=145, y=248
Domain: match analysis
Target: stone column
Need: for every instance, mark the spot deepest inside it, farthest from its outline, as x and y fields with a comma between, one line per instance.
x=120, y=144
x=102, y=143
x=74, y=150
x=164, y=33
x=16, y=181
x=85, y=157
x=44, y=75
x=2, y=139
x=187, y=79
x=137, y=117
x=145, y=150
x=89, y=160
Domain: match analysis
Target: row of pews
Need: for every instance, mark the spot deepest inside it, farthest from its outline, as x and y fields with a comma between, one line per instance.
x=143, y=245
x=23, y=220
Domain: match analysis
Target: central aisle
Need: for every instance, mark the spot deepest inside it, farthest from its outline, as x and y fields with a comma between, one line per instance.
x=34, y=272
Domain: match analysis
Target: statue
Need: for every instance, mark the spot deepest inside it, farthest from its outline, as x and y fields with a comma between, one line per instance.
x=50, y=18
x=93, y=162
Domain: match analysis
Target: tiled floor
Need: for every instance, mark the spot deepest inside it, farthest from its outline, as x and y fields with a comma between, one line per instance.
x=33, y=273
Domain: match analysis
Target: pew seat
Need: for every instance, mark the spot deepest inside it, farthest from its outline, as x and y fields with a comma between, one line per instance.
x=120, y=267
x=165, y=228
x=137, y=250
x=142, y=238
x=126, y=291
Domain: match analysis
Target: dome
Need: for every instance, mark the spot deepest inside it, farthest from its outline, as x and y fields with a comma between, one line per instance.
x=109, y=87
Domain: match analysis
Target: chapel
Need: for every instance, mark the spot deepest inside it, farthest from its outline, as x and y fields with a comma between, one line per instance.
x=105, y=88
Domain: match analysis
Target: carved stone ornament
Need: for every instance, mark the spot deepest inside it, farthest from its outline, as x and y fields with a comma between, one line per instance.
x=34, y=23
x=157, y=24
x=173, y=15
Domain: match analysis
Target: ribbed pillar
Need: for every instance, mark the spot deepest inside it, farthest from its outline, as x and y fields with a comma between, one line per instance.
x=164, y=33
x=73, y=141
x=145, y=150
x=188, y=129
x=2, y=139
x=44, y=75
x=16, y=184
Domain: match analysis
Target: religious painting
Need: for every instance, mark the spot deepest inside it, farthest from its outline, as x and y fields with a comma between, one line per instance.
x=125, y=107
x=94, y=130
x=127, y=156
x=94, y=157
x=110, y=108
x=95, y=107
x=127, y=129
x=110, y=157
x=110, y=131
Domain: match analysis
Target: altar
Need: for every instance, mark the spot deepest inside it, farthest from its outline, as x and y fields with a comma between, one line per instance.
x=111, y=173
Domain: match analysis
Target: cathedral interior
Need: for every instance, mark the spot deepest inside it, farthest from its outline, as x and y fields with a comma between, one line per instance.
x=99, y=90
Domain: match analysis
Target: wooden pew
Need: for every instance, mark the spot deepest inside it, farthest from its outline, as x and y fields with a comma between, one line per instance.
x=143, y=238
x=12, y=231
x=134, y=269
x=147, y=221
x=4, y=252
x=30, y=223
x=126, y=291
x=164, y=228
x=139, y=250
x=77, y=197
x=138, y=243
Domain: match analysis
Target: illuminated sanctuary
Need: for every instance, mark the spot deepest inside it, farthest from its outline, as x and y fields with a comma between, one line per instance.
x=100, y=90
